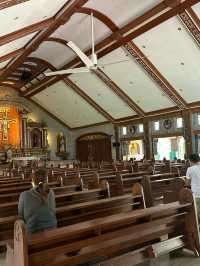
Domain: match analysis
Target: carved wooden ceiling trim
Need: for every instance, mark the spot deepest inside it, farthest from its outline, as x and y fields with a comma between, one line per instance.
x=134, y=51
x=163, y=84
x=189, y=20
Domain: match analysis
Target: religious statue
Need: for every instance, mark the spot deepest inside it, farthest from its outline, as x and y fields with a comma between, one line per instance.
x=61, y=143
x=9, y=155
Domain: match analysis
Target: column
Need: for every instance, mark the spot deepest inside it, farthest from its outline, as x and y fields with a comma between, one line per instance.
x=44, y=137
x=24, y=130
x=187, y=131
x=116, y=130
x=148, y=147
x=28, y=137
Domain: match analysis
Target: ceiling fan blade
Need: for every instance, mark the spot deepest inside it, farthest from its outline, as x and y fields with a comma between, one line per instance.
x=120, y=61
x=68, y=71
x=86, y=60
x=94, y=55
x=113, y=63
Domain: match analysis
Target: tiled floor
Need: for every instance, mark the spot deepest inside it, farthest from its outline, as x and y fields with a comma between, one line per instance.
x=178, y=259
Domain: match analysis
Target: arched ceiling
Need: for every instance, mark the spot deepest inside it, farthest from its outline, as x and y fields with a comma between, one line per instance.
x=148, y=56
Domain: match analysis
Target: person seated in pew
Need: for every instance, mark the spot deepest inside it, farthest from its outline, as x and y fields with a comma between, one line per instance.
x=193, y=178
x=37, y=206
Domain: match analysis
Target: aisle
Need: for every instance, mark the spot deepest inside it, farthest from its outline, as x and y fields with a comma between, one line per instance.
x=2, y=260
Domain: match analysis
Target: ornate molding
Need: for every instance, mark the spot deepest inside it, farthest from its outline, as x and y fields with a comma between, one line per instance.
x=191, y=26
x=170, y=92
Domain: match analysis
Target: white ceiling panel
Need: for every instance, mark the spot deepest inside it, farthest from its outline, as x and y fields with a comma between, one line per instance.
x=196, y=8
x=68, y=106
x=55, y=53
x=27, y=13
x=78, y=30
x=102, y=95
x=122, y=11
x=15, y=45
x=176, y=55
x=133, y=80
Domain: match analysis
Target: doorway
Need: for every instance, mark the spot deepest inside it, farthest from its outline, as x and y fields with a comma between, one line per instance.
x=94, y=147
x=170, y=148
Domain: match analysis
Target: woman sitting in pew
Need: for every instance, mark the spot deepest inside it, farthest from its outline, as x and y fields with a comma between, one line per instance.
x=37, y=206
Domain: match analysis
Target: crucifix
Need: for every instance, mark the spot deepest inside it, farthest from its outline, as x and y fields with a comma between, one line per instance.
x=5, y=122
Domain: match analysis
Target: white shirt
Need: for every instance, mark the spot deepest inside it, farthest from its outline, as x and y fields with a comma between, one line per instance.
x=193, y=173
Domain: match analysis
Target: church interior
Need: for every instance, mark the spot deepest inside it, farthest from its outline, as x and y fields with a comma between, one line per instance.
x=103, y=98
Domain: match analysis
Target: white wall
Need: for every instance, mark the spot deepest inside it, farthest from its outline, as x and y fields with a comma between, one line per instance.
x=54, y=128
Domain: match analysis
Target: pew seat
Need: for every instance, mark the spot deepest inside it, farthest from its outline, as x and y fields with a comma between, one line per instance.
x=148, y=233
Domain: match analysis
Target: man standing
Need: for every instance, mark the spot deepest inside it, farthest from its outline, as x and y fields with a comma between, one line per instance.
x=193, y=176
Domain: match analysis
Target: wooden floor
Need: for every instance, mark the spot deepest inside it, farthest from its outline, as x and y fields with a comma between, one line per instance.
x=178, y=259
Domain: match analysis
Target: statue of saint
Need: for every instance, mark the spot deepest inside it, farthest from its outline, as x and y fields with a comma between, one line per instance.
x=61, y=143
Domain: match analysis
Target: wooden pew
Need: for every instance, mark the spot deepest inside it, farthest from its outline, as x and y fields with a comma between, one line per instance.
x=145, y=233
x=154, y=190
x=10, y=208
x=22, y=187
x=9, y=197
x=78, y=212
x=128, y=180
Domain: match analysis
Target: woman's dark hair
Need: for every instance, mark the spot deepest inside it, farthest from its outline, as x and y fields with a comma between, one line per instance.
x=194, y=158
x=39, y=180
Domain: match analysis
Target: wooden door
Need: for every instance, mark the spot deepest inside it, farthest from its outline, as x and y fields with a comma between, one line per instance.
x=94, y=147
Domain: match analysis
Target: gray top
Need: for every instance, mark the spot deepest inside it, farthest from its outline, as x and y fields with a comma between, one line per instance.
x=37, y=214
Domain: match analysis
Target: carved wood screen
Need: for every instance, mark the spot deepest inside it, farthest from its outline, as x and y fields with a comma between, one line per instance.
x=94, y=147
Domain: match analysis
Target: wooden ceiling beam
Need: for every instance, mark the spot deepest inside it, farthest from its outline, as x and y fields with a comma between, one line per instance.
x=89, y=100
x=57, y=40
x=44, y=84
x=25, y=31
x=157, y=21
x=153, y=23
x=135, y=52
x=61, y=18
x=113, y=86
x=8, y=3
x=110, y=43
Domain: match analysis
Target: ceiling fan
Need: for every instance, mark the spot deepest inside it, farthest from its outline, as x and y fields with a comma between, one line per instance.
x=90, y=63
